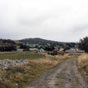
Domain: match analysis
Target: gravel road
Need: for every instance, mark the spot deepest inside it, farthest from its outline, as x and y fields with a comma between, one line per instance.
x=64, y=75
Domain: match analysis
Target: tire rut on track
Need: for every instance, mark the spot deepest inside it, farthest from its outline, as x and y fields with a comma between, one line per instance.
x=64, y=75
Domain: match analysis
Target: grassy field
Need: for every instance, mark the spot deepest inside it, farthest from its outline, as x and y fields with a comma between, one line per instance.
x=83, y=65
x=20, y=55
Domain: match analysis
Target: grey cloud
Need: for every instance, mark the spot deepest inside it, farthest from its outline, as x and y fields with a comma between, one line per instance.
x=62, y=20
x=80, y=28
x=33, y=22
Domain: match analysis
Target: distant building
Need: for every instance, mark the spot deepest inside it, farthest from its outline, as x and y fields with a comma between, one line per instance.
x=34, y=49
x=73, y=50
x=80, y=51
x=33, y=45
x=42, y=50
x=61, y=49
x=20, y=50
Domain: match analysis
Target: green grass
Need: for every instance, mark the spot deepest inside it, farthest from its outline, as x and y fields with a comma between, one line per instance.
x=20, y=55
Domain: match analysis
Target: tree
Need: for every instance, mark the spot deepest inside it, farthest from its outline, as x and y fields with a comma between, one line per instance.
x=7, y=45
x=83, y=44
x=25, y=47
x=49, y=48
x=66, y=47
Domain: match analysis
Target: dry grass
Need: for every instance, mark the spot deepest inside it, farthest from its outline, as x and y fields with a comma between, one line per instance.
x=64, y=57
x=83, y=60
x=46, y=62
x=21, y=76
x=24, y=75
x=83, y=65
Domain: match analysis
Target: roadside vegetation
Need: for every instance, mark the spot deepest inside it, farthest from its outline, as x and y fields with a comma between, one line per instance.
x=83, y=65
x=22, y=76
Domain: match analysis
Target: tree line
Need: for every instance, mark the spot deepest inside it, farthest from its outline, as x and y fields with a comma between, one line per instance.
x=7, y=45
x=10, y=45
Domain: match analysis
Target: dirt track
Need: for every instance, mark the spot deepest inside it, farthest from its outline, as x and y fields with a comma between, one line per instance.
x=65, y=75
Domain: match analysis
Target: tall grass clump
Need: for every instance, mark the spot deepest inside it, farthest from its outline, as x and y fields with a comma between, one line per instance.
x=83, y=65
x=83, y=60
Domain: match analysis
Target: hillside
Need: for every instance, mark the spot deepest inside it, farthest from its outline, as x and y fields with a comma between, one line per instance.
x=41, y=41
x=38, y=41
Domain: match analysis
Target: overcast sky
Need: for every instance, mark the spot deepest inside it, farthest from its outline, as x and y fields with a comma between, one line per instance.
x=61, y=20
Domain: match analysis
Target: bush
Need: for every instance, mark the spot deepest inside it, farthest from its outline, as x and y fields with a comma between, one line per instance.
x=83, y=44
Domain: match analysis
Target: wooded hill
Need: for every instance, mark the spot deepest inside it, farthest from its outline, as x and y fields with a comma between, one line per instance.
x=11, y=45
x=40, y=41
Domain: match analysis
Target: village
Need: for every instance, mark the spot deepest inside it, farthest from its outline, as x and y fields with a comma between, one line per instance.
x=7, y=63
x=47, y=50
